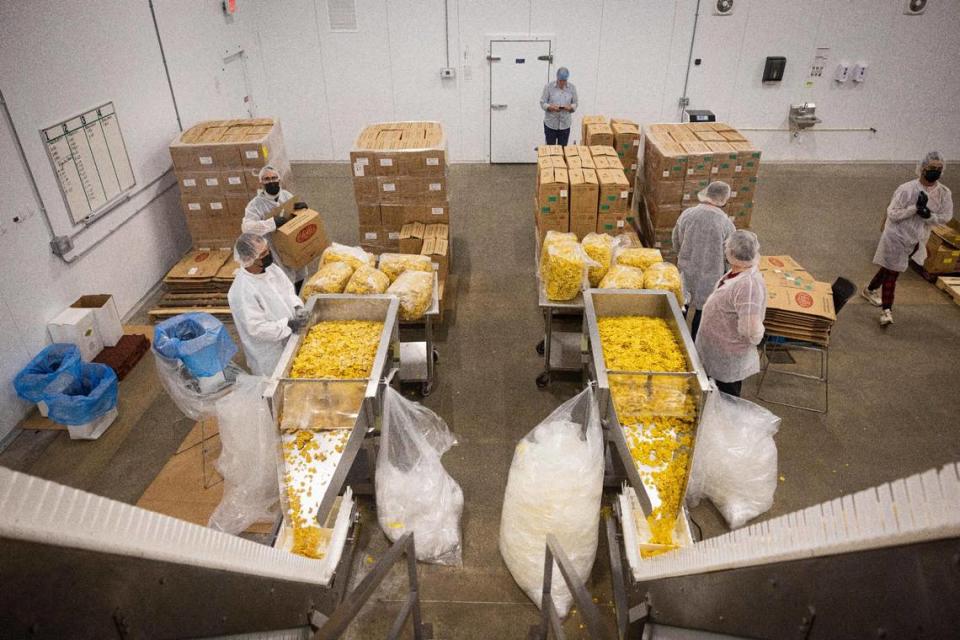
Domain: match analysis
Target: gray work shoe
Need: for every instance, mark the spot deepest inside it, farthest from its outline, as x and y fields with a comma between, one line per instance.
x=873, y=297
x=886, y=317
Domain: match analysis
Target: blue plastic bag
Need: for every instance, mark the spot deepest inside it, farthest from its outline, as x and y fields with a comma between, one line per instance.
x=44, y=368
x=199, y=340
x=78, y=399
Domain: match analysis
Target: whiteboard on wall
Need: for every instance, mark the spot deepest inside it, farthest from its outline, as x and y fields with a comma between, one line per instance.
x=90, y=161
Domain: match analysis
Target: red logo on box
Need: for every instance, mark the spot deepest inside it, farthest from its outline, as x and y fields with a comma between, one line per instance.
x=306, y=233
x=776, y=262
x=804, y=299
x=201, y=257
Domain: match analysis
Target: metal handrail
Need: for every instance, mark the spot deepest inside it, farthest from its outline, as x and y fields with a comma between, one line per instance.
x=550, y=619
x=334, y=626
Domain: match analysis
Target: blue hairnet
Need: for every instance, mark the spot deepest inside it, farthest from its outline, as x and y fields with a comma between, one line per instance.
x=563, y=73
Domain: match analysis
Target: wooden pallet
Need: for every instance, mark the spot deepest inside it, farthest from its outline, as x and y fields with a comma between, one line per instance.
x=221, y=313
x=950, y=284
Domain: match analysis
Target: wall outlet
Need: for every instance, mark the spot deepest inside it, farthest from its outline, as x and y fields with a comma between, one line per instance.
x=842, y=74
x=859, y=73
x=447, y=72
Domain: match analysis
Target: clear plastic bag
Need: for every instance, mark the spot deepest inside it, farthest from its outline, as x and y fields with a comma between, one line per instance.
x=393, y=264
x=735, y=460
x=665, y=277
x=353, y=256
x=554, y=487
x=329, y=278
x=620, y=276
x=248, y=457
x=553, y=238
x=45, y=367
x=199, y=340
x=639, y=257
x=366, y=280
x=76, y=399
x=414, y=491
x=415, y=290
x=564, y=270
x=599, y=246
x=184, y=390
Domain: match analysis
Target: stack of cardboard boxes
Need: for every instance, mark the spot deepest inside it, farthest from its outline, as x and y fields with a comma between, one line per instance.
x=216, y=164
x=943, y=249
x=400, y=183
x=581, y=189
x=680, y=160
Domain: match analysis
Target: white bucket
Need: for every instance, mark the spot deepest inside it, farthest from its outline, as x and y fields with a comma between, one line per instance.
x=93, y=429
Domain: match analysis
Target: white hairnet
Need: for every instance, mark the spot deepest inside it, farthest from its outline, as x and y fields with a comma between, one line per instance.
x=267, y=169
x=716, y=193
x=248, y=248
x=742, y=248
x=931, y=156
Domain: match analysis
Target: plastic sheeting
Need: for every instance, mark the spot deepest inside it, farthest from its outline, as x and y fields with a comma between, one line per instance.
x=76, y=399
x=414, y=491
x=184, y=390
x=735, y=463
x=45, y=367
x=554, y=487
x=198, y=339
x=248, y=457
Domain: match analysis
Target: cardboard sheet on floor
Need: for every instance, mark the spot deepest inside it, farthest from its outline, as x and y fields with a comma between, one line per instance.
x=178, y=490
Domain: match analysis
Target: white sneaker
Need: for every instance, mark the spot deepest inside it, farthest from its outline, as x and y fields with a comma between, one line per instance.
x=873, y=297
x=886, y=317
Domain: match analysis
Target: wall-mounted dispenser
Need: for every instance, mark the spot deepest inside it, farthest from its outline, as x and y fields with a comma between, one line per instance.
x=773, y=68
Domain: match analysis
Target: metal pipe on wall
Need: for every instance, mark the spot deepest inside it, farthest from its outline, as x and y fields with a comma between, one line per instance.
x=684, y=100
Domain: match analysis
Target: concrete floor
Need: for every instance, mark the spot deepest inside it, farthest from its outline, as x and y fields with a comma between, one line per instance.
x=893, y=391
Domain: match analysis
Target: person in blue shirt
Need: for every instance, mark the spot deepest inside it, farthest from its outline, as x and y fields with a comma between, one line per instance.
x=558, y=101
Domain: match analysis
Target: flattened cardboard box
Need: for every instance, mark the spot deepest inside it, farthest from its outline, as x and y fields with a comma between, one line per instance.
x=785, y=263
x=584, y=191
x=301, y=240
x=816, y=302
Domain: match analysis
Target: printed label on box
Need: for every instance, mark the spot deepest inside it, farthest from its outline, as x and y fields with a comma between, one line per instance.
x=206, y=160
x=189, y=182
x=666, y=174
x=738, y=168
x=234, y=180
x=636, y=142
x=715, y=170
x=370, y=235
x=438, y=211
x=624, y=194
x=251, y=154
x=389, y=186
x=433, y=162
x=563, y=193
x=386, y=162
x=193, y=206
x=689, y=172
x=733, y=194
x=435, y=186
x=363, y=161
x=358, y=169
x=192, y=270
x=394, y=235
x=216, y=206
x=212, y=182
x=633, y=167
x=686, y=196
x=620, y=224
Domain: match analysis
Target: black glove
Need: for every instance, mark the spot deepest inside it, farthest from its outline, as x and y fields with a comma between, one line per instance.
x=924, y=213
x=298, y=206
x=295, y=324
x=922, y=201
x=280, y=220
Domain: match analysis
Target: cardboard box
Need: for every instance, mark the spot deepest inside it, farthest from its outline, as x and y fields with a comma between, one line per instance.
x=691, y=190
x=425, y=213
x=553, y=185
x=411, y=237
x=598, y=133
x=571, y=151
x=235, y=180
x=371, y=236
x=943, y=249
x=725, y=160
x=392, y=215
x=612, y=223
x=584, y=191
x=438, y=250
x=603, y=150
x=412, y=190
x=105, y=316
x=782, y=263
x=190, y=183
x=587, y=121
x=663, y=216
x=78, y=327
x=582, y=225
x=665, y=192
x=699, y=159
x=546, y=150
x=547, y=220
x=236, y=204
x=368, y=215
x=626, y=139
x=391, y=238
x=614, y=191
x=366, y=190
x=744, y=187
x=816, y=301
x=362, y=162
x=607, y=162
x=748, y=158
x=224, y=144
x=664, y=161
x=574, y=162
x=301, y=240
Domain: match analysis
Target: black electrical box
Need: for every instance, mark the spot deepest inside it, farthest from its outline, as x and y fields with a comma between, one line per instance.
x=699, y=115
x=773, y=69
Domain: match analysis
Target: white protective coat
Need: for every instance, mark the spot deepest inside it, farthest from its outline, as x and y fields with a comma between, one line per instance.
x=698, y=238
x=905, y=229
x=732, y=327
x=256, y=220
x=261, y=304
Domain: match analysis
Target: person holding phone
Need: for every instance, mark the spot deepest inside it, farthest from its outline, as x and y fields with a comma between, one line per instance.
x=558, y=101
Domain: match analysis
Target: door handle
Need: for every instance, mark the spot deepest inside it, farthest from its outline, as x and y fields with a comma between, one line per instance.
x=498, y=106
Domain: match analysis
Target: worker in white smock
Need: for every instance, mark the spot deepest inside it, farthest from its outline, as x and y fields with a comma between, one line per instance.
x=732, y=324
x=698, y=239
x=917, y=206
x=265, y=309
x=256, y=218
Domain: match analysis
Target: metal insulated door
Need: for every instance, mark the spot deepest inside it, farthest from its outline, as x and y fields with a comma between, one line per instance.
x=518, y=71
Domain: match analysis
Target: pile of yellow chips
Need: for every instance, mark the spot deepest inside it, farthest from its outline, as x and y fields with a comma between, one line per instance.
x=666, y=277
x=415, y=290
x=599, y=246
x=329, y=278
x=366, y=280
x=620, y=276
x=638, y=257
x=338, y=349
x=353, y=256
x=393, y=264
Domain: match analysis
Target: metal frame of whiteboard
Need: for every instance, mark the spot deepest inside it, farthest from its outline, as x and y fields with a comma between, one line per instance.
x=381, y=308
x=121, y=197
x=644, y=302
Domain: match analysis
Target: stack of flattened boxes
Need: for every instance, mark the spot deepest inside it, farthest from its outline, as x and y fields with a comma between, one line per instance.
x=581, y=189
x=216, y=164
x=400, y=179
x=682, y=159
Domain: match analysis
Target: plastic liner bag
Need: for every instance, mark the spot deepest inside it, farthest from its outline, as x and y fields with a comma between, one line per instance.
x=366, y=280
x=199, y=340
x=44, y=369
x=735, y=461
x=78, y=398
x=599, y=246
x=393, y=264
x=329, y=278
x=564, y=267
x=554, y=487
x=552, y=238
x=415, y=290
x=414, y=491
x=638, y=257
x=620, y=276
x=248, y=457
x=184, y=389
x=665, y=277
x=353, y=256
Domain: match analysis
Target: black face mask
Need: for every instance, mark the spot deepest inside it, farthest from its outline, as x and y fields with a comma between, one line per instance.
x=932, y=175
x=272, y=188
x=266, y=261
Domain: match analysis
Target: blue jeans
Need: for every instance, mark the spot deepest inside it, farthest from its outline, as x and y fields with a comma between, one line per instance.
x=556, y=136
